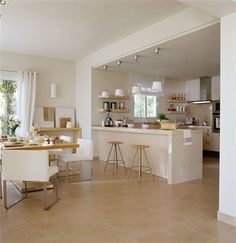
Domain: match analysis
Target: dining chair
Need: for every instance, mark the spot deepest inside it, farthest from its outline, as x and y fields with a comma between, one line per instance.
x=26, y=165
x=83, y=154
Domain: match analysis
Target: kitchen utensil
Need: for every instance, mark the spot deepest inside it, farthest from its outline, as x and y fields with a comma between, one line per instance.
x=108, y=122
x=119, y=92
x=105, y=94
x=119, y=123
x=113, y=105
x=106, y=105
x=121, y=105
x=145, y=126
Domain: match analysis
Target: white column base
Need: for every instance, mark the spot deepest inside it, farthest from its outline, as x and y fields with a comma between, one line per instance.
x=225, y=218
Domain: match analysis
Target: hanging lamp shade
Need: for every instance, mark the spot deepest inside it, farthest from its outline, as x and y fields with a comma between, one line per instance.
x=136, y=89
x=119, y=92
x=157, y=86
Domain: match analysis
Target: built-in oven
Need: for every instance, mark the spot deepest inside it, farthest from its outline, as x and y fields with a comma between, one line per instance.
x=216, y=107
x=216, y=122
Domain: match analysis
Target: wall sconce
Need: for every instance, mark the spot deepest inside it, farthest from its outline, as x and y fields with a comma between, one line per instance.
x=53, y=90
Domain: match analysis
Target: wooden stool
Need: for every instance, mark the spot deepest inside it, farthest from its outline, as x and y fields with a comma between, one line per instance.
x=141, y=149
x=115, y=161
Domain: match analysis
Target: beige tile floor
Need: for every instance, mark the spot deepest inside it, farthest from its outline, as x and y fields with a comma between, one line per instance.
x=113, y=209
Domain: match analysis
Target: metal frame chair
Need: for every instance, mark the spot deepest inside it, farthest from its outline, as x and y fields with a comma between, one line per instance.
x=28, y=166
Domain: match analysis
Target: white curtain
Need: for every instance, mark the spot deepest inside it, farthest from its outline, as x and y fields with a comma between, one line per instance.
x=26, y=100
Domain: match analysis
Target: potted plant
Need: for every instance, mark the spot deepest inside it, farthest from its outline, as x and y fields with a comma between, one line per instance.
x=13, y=123
x=162, y=118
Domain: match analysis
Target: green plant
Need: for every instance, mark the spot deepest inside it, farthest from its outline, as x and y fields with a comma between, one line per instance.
x=8, y=89
x=161, y=116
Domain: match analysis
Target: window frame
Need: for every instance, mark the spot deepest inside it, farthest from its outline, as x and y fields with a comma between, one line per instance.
x=145, y=106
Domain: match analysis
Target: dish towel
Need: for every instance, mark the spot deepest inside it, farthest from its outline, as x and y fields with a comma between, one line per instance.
x=187, y=137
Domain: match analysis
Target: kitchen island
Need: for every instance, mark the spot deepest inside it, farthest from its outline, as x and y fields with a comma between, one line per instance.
x=169, y=156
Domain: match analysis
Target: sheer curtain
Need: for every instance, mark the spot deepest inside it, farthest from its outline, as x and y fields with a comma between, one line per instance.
x=26, y=100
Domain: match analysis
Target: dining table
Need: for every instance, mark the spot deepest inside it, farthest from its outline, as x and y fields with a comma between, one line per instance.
x=35, y=186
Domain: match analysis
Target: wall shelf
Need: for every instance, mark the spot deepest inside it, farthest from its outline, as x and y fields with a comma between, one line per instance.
x=177, y=101
x=175, y=112
x=115, y=98
x=115, y=110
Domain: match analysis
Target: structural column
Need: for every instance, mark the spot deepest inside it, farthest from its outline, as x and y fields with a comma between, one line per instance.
x=227, y=192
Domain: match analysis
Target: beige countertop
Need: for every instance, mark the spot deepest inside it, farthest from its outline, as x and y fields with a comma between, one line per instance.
x=142, y=130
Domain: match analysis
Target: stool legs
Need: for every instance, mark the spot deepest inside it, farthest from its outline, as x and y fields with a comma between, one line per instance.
x=108, y=158
x=142, y=153
x=116, y=160
x=135, y=154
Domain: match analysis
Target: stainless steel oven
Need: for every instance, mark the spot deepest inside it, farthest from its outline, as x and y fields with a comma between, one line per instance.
x=216, y=122
x=216, y=107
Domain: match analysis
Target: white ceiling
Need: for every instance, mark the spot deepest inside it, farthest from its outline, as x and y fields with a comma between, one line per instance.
x=71, y=29
x=187, y=57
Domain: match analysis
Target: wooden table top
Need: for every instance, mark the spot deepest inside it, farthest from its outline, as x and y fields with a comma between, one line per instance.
x=44, y=147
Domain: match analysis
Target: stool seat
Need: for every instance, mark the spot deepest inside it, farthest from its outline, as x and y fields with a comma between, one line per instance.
x=115, y=142
x=141, y=146
x=115, y=147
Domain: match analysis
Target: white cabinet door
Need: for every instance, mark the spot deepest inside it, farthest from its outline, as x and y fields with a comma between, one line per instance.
x=215, y=88
x=193, y=90
x=215, y=140
x=207, y=139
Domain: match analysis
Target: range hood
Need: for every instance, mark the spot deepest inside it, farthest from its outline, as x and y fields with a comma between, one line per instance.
x=205, y=91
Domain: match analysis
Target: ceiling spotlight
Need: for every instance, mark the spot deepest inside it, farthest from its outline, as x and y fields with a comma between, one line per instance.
x=3, y=2
x=156, y=50
x=136, y=57
x=105, y=67
x=118, y=63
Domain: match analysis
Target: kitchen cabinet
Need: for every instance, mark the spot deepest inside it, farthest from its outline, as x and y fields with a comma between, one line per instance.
x=215, y=141
x=193, y=90
x=215, y=88
x=211, y=141
x=207, y=139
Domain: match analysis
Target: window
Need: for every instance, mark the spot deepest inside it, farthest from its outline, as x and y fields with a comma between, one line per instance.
x=7, y=104
x=145, y=106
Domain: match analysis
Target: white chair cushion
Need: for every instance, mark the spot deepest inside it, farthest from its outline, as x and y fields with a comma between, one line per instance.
x=53, y=170
x=72, y=158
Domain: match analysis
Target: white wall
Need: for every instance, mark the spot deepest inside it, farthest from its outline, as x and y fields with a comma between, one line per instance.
x=109, y=81
x=50, y=70
x=180, y=24
x=227, y=202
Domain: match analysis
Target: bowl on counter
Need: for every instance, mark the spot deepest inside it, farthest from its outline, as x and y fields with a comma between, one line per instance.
x=145, y=126
x=130, y=125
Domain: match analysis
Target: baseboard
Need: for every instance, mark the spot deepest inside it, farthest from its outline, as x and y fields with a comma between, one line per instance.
x=225, y=218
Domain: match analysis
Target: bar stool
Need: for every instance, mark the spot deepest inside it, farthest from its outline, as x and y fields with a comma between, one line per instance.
x=141, y=150
x=115, y=146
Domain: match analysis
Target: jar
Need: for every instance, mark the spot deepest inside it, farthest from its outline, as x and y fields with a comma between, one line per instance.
x=106, y=105
x=121, y=105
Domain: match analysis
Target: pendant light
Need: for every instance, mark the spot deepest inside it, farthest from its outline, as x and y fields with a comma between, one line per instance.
x=157, y=85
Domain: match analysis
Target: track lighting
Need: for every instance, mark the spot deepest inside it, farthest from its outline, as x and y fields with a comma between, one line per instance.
x=3, y=2
x=118, y=62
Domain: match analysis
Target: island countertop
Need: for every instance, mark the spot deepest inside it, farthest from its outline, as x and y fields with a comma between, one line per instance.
x=143, y=130
x=170, y=157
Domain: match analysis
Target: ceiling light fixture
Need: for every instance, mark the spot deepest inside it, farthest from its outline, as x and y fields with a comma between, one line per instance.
x=136, y=57
x=3, y=2
x=118, y=62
